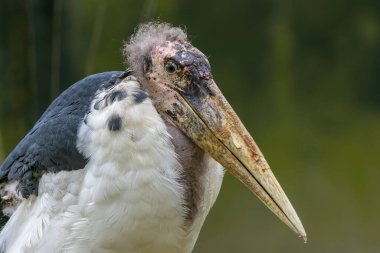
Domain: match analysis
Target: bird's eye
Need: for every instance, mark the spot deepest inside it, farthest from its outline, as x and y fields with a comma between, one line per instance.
x=171, y=67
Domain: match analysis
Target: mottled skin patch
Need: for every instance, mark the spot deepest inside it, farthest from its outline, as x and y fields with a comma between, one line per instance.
x=192, y=62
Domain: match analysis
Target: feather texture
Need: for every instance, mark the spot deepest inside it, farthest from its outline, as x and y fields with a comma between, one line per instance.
x=128, y=197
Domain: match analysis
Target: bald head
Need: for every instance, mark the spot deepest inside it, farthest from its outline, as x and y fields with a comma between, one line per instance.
x=138, y=49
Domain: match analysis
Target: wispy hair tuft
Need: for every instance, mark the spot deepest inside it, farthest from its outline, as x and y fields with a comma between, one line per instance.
x=146, y=36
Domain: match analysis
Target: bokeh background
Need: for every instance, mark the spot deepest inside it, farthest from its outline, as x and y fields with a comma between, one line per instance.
x=303, y=76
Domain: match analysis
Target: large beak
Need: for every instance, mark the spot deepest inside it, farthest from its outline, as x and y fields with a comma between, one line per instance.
x=205, y=116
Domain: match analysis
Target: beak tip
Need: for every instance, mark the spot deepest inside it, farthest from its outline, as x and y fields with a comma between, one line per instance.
x=293, y=221
x=302, y=233
x=304, y=237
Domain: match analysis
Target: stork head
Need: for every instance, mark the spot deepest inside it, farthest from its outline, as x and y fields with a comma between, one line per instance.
x=179, y=79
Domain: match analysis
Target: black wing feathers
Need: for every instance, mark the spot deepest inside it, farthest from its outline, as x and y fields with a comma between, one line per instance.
x=51, y=144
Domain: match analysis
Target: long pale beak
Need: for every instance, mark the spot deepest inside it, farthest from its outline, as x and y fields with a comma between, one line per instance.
x=206, y=117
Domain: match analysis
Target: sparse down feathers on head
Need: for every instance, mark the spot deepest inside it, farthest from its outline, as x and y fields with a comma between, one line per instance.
x=147, y=35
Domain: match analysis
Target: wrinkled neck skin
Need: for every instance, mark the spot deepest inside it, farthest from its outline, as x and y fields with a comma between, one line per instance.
x=191, y=157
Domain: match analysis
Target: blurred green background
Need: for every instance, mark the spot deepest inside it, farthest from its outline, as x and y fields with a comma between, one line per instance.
x=302, y=75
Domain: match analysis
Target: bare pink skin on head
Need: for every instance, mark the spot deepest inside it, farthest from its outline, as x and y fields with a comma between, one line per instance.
x=189, y=58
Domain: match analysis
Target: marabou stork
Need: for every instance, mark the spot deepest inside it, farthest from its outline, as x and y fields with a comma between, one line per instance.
x=132, y=161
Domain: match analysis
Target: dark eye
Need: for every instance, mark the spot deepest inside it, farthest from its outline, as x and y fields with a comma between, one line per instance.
x=171, y=67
